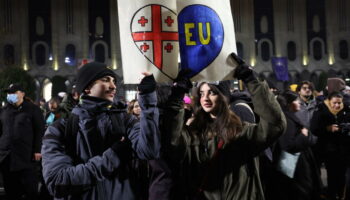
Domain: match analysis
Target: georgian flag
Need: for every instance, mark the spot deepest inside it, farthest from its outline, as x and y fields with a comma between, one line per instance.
x=153, y=32
x=149, y=39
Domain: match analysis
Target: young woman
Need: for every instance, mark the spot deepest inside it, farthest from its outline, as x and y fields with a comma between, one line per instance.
x=218, y=153
x=333, y=141
x=134, y=108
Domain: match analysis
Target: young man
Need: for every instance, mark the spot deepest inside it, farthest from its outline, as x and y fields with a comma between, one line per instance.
x=87, y=156
x=307, y=102
x=21, y=130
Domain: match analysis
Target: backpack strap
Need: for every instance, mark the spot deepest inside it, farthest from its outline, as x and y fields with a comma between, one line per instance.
x=118, y=125
x=245, y=105
x=70, y=137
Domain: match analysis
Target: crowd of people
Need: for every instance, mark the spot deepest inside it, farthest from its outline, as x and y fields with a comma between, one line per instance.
x=176, y=141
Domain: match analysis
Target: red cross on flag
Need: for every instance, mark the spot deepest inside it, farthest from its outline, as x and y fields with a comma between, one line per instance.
x=149, y=39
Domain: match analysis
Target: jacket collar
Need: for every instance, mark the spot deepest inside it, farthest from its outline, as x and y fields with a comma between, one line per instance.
x=95, y=104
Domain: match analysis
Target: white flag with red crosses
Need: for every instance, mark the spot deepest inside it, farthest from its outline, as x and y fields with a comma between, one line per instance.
x=149, y=39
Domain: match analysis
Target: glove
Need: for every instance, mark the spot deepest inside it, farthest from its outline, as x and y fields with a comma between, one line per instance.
x=123, y=149
x=147, y=85
x=182, y=84
x=243, y=71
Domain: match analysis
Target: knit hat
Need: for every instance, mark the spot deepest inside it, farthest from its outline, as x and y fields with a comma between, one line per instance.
x=224, y=87
x=335, y=85
x=90, y=72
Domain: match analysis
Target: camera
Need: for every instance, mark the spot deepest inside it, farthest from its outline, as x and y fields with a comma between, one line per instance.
x=345, y=128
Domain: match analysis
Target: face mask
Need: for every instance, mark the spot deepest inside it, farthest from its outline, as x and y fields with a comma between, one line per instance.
x=12, y=98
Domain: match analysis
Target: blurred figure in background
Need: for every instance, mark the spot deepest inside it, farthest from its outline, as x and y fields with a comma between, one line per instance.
x=21, y=130
x=301, y=180
x=43, y=106
x=69, y=102
x=53, y=113
x=307, y=102
x=134, y=108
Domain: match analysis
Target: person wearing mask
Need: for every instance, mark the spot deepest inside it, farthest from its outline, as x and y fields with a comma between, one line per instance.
x=216, y=149
x=88, y=155
x=21, y=130
x=54, y=112
x=327, y=124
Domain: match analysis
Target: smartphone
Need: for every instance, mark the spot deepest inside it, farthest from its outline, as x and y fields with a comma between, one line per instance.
x=237, y=59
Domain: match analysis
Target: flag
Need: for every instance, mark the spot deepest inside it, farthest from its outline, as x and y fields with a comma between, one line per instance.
x=149, y=39
x=153, y=31
x=206, y=37
x=280, y=68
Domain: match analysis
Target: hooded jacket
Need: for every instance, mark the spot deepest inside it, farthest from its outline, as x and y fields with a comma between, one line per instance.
x=233, y=174
x=335, y=85
x=99, y=172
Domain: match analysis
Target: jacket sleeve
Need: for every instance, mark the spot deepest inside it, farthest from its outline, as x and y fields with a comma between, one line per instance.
x=177, y=139
x=38, y=129
x=256, y=137
x=61, y=175
x=144, y=135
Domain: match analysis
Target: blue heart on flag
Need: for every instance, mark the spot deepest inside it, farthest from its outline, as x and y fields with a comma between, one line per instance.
x=201, y=37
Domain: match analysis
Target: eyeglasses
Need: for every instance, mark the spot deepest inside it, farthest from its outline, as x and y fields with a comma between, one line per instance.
x=305, y=88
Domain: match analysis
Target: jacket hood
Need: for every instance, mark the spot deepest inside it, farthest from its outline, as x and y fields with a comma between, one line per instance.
x=240, y=96
x=333, y=111
x=335, y=85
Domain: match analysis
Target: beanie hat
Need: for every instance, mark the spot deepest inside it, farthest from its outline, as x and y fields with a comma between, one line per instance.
x=90, y=72
x=335, y=85
x=224, y=87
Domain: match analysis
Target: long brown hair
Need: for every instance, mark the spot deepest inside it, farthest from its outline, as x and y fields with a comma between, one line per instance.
x=131, y=106
x=226, y=124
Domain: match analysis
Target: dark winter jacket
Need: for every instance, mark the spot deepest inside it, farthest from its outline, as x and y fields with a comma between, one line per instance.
x=99, y=172
x=233, y=174
x=21, y=131
x=306, y=182
x=293, y=140
x=331, y=144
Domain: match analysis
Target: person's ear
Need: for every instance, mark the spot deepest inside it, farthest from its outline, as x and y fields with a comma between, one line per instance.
x=88, y=89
